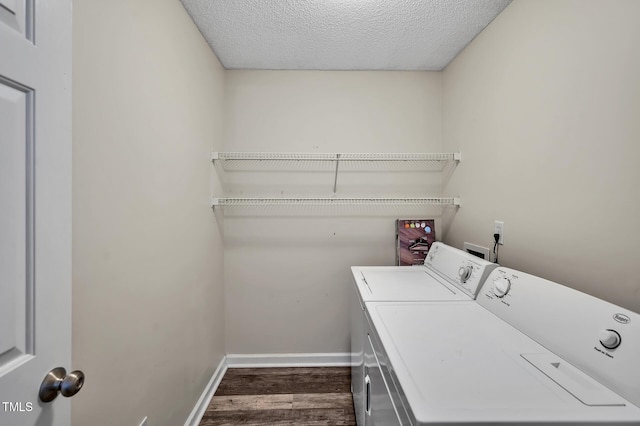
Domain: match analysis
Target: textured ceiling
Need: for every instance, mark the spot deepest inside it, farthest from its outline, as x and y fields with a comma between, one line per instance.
x=340, y=34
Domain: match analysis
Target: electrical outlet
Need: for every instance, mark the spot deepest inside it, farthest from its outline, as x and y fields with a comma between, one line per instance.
x=498, y=228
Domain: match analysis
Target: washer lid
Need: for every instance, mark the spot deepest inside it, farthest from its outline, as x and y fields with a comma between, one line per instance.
x=457, y=362
x=403, y=283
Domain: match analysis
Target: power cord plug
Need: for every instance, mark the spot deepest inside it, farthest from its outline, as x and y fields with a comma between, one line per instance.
x=496, y=238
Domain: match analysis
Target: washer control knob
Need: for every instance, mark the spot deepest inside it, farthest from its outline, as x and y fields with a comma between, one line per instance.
x=610, y=339
x=465, y=272
x=502, y=287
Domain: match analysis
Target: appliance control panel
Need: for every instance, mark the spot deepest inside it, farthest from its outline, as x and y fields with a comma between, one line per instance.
x=463, y=270
x=598, y=337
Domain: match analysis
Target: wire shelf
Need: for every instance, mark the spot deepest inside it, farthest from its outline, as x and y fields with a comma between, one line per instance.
x=336, y=162
x=304, y=156
x=420, y=201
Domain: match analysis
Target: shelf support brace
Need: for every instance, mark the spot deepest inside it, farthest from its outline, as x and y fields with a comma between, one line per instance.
x=335, y=180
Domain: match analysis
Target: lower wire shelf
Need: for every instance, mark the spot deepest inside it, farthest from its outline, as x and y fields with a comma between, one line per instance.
x=416, y=201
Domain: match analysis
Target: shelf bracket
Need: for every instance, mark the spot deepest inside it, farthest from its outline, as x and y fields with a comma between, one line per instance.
x=335, y=180
x=215, y=155
x=457, y=156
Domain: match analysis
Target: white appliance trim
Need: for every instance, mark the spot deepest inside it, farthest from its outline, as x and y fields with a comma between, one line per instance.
x=203, y=402
x=339, y=359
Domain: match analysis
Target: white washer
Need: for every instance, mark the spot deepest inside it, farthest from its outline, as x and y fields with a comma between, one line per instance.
x=529, y=352
x=448, y=274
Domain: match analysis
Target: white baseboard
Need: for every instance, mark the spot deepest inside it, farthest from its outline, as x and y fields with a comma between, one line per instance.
x=289, y=360
x=261, y=361
x=203, y=402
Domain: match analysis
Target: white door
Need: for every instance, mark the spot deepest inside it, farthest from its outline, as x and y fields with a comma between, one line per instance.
x=35, y=207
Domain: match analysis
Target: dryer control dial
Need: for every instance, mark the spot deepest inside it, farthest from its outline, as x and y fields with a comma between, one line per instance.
x=501, y=287
x=465, y=273
x=610, y=339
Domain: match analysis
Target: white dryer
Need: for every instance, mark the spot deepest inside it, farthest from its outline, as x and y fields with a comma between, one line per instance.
x=448, y=275
x=528, y=352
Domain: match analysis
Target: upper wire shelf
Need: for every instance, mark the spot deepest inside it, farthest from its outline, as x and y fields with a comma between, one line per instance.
x=280, y=161
x=331, y=162
x=311, y=201
x=304, y=156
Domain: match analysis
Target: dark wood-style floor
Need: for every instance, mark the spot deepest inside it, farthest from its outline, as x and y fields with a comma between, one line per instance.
x=282, y=396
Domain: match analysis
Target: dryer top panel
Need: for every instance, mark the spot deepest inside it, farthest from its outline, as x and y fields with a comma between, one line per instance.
x=457, y=363
x=600, y=338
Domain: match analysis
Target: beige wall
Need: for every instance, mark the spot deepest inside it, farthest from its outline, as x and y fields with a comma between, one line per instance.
x=544, y=105
x=148, y=314
x=287, y=269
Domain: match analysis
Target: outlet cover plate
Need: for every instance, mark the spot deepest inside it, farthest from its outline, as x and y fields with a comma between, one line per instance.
x=498, y=228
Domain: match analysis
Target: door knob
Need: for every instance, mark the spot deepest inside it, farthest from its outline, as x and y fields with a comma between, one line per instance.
x=57, y=380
